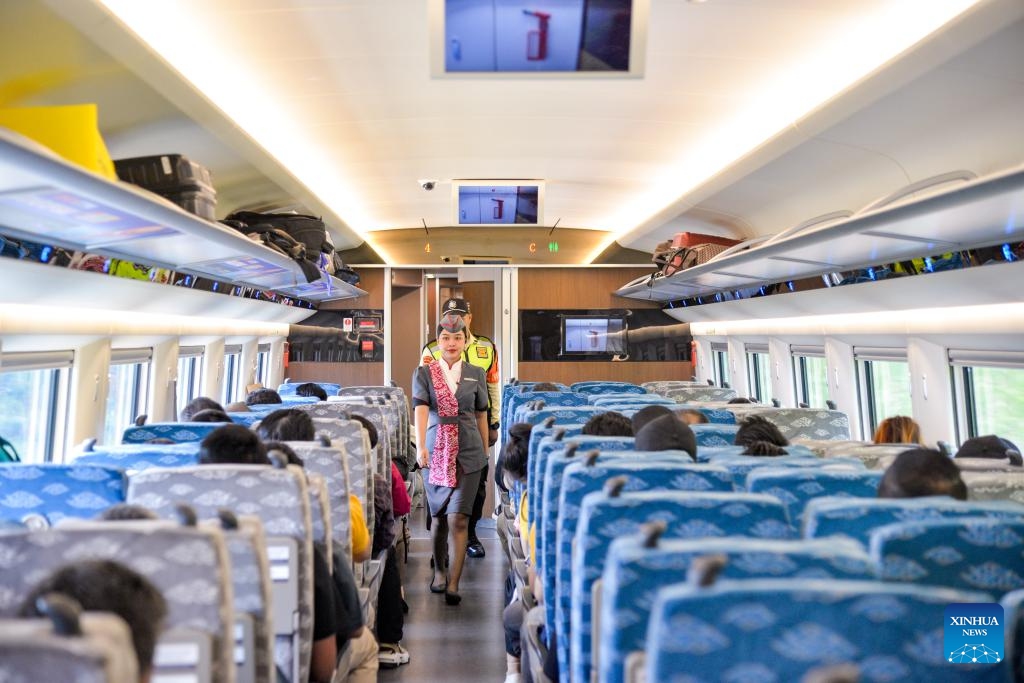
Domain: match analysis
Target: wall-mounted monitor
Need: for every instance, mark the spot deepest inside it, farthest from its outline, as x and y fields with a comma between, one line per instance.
x=497, y=202
x=582, y=37
x=587, y=335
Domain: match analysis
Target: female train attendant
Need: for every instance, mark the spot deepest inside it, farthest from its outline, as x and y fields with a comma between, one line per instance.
x=450, y=399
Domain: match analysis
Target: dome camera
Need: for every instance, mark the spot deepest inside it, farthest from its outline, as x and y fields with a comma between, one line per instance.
x=428, y=185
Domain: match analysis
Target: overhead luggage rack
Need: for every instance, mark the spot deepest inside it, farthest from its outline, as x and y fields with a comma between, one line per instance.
x=978, y=213
x=47, y=199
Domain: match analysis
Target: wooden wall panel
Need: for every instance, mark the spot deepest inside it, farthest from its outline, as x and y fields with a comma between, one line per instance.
x=568, y=372
x=546, y=288
x=405, y=336
x=372, y=281
x=345, y=374
x=480, y=296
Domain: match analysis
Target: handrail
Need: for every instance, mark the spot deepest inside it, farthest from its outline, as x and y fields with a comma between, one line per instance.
x=913, y=188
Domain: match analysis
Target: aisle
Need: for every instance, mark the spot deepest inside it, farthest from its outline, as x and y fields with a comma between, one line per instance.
x=453, y=644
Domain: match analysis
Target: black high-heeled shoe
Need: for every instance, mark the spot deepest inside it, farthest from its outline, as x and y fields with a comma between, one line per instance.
x=452, y=598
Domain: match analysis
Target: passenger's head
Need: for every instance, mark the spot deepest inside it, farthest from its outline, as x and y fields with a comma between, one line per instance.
x=287, y=424
x=211, y=415
x=764, y=448
x=922, y=472
x=370, y=428
x=105, y=586
x=259, y=397
x=232, y=445
x=757, y=428
x=608, y=424
x=739, y=400
x=123, y=512
x=898, y=429
x=311, y=389
x=237, y=407
x=667, y=433
x=515, y=453
x=989, y=446
x=545, y=386
x=646, y=414
x=692, y=416
x=196, y=405
x=283, y=449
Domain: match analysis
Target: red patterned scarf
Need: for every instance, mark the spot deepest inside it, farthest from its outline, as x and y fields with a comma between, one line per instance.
x=446, y=441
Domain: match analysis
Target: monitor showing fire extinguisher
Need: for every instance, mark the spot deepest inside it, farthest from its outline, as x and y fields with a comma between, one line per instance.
x=587, y=335
x=497, y=202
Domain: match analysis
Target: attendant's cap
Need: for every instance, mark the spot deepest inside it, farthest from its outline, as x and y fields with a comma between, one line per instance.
x=460, y=306
x=452, y=322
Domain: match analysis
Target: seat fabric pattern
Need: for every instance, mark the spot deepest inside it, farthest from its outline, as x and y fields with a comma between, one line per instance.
x=776, y=630
x=250, y=578
x=699, y=394
x=794, y=486
x=714, y=435
x=330, y=463
x=633, y=574
x=178, y=432
x=742, y=465
x=969, y=553
x=856, y=518
x=1006, y=485
x=592, y=388
x=802, y=423
x=510, y=407
x=288, y=388
x=58, y=491
x=141, y=456
x=604, y=517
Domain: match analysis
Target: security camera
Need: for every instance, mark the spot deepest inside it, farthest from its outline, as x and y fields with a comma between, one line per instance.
x=446, y=259
x=428, y=185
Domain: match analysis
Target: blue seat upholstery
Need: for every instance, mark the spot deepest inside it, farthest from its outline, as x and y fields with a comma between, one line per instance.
x=776, y=630
x=714, y=434
x=971, y=553
x=58, y=491
x=510, y=390
x=142, y=456
x=178, y=432
x=605, y=516
x=643, y=399
x=644, y=471
x=742, y=465
x=715, y=415
x=246, y=419
x=288, y=388
x=560, y=413
x=633, y=573
x=794, y=486
x=600, y=387
x=858, y=517
x=510, y=409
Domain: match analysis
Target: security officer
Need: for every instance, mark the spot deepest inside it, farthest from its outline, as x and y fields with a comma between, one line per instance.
x=480, y=351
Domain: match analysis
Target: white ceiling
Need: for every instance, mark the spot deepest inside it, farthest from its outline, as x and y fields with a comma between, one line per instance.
x=349, y=82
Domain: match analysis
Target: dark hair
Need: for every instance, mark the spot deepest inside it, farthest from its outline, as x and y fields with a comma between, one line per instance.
x=647, y=414
x=106, y=586
x=311, y=389
x=608, y=424
x=196, y=405
x=667, y=433
x=126, y=511
x=232, y=445
x=287, y=424
x=370, y=428
x=922, y=472
x=260, y=397
x=758, y=428
x=287, y=451
x=763, y=448
x=988, y=446
x=739, y=400
x=516, y=452
x=211, y=415
x=545, y=386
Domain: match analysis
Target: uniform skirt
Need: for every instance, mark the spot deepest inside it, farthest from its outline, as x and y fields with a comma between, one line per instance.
x=445, y=500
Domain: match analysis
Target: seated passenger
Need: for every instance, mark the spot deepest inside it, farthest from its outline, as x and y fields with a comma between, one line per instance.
x=667, y=433
x=197, y=404
x=545, y=386
x=232, y=445
x=211, y=415
x=898, y=429
x=123, y=512
x=287, y=424
x=106, y=586
x=311, y=389
x=990, y=446
x=646, y=414
x=692, y=416
x=262, y=397
x=922, y=472
x=739, y=400
x=514, y=459
x=758, y=428
x=608, y=424
x=237, y=407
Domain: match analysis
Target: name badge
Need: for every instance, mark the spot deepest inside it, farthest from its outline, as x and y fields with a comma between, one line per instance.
x=482, y=352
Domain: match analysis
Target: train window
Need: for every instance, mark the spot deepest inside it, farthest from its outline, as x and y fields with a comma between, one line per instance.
x=33, y=403
x=884, y=377
x=232, y=366
x=990, y=391
x=129, y=390
x=190, y=373
x=811, y=375
x=263, y=364
x=759, y=376
x=720, y=354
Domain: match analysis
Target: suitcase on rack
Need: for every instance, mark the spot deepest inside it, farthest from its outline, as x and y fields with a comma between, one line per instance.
x=688, y=249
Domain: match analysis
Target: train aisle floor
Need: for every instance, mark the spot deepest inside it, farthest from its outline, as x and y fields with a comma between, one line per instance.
x=464, y=644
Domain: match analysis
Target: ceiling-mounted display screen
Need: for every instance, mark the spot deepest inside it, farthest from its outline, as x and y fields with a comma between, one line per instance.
x=580, y=36
x=497, y=202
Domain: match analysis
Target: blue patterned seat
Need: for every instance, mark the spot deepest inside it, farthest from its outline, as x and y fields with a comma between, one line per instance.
x=714, y=434
x=776, y=630
x=633, y=573
x=560, y=413
x=178, y=432
x=644, y=471
x=971, y=553
x=605, y=516
x=58, y=491
x=794, y=486
x=288, y=388
x=246, y=419
x=601, y=387
x=642, y=399
x=858, y=517
x=715, y=414
x=515, y=402
x=141, y=456
x=509, y=390
x=742, y=465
